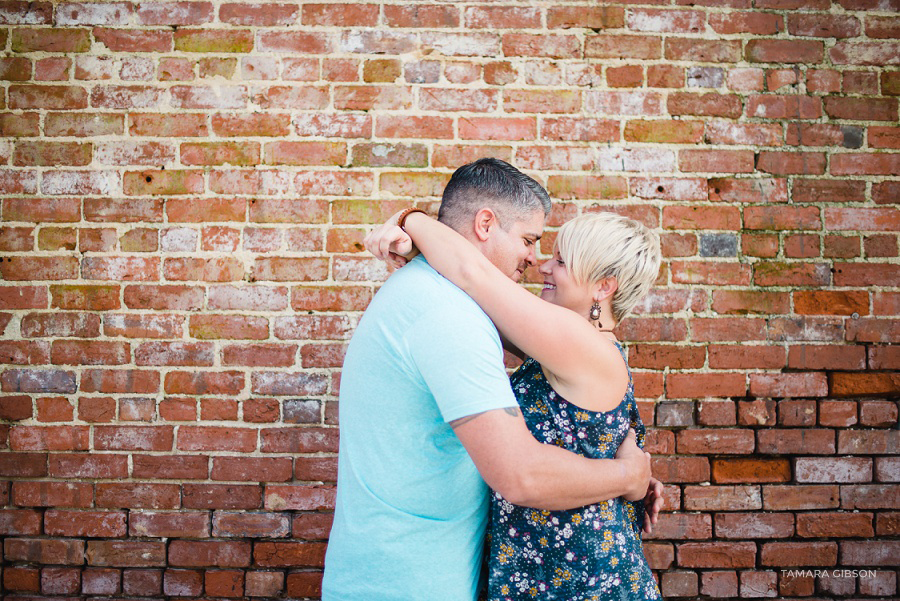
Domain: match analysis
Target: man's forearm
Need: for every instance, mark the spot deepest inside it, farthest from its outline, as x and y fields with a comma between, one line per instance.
x=554, y=478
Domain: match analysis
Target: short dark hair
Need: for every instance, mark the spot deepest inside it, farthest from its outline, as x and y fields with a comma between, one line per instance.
x=494, y=184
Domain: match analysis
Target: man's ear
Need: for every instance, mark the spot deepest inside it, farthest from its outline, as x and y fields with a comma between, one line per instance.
x=485, y=220
x=605, y=288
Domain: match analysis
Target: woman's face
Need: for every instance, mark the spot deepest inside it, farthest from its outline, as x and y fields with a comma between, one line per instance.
x=561, y=289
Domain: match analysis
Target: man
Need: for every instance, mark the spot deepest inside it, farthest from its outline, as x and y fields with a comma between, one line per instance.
x=427, y=417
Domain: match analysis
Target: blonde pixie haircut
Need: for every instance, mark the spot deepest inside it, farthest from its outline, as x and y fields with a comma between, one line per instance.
x=595, y=246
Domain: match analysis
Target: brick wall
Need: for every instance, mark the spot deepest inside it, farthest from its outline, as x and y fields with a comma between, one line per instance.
x=185, y=186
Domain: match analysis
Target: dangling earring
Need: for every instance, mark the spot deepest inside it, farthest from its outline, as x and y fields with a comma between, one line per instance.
x=595, y=312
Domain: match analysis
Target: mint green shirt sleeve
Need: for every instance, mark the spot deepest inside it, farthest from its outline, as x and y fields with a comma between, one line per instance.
x=459, y=356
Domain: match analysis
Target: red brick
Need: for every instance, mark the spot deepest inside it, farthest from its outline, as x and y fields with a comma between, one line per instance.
x=49, y=438
x=24, y=352
x=252, y=469
x=660, y=356
x=183, y=582
x=665, y=76
x=209, y=553
x=52, y=494
x=866, y=109
x=750, y=525
x=645, y=47
x=653, y=329
x=759, y=412
x=723, y=161
x=745, y=471
x=833, y=469
x=174, y=125
x=849, y=384
x=660, y=556
x=679, y=584
x=808, y=441
x=630, y=76
x=831, y=302
x=264, y=584
x=208, y=438
x=501, y=17
x=717, y=555
x=260, y=355
x=784, y=51
x=750, y=301
x=823, y=26
x=23, y=297
x=788, y=554
x=793, y=274
x=703, y=51
x=716, y=413
x=330, y=298
x=299, y=440
x=422, y=16
x=17, y=238
x=862, y=274
x=786, y=163
x=776, y=498
x=709, y=440
x=45, y=551
x=255, y=525
x=681, y=469
x=28, y=380
x=126, y=553
x=60, y=581
x=664, y=132
x=719, y=584
x=138, y=495
x=20, y=522
x=735, y=22
x=879, y=414
x=832, y=525
x=100, y=581
x=682, y=526
x=311, y=526
x=39, y=268
x=289, y=554
x=711, y=104
x=553, y=46
x=225, y=583
x=106, y=524
x=826, y=357
x=221, y=496
x=705, y=272
x=134, y=40
x=22, y=579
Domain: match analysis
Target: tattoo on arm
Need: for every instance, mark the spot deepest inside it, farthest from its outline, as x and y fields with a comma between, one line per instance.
x=513, y=411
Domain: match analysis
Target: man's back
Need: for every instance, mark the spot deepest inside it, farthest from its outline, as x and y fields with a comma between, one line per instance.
x=411, y=507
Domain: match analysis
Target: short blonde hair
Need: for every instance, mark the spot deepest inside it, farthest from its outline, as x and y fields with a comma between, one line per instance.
x=595, y=246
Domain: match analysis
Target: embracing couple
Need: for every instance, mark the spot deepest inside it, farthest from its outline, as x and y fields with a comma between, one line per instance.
x=446, y=464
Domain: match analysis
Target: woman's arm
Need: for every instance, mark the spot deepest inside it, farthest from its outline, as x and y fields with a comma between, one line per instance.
x=556, y=337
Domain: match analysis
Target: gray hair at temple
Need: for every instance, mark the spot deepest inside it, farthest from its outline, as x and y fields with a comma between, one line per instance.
x=494, y=184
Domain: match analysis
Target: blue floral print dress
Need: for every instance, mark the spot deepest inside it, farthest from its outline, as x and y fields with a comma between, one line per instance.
x=585, y=554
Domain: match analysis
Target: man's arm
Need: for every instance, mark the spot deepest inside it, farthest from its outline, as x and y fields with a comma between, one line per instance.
x=529, y=473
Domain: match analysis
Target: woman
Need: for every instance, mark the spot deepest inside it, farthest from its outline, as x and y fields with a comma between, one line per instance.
x=575, y=391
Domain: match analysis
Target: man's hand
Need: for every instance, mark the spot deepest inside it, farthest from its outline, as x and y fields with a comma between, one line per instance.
x=636, y=464
x=390, y=244
x=653, y=502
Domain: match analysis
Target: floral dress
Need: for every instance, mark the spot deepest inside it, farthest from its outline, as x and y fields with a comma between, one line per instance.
x=590, y=553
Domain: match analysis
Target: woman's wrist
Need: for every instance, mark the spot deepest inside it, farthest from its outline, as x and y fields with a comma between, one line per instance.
x=404, y=215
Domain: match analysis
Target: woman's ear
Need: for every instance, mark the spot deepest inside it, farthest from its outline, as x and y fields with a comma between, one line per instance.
x=605, y=289
x=485, y=219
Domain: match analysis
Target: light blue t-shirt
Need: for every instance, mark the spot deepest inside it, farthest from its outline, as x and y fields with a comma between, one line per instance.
x=411, y=507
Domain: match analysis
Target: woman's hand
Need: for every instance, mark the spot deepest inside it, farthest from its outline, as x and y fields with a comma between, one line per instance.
x=390, y=243
x=653, y=503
